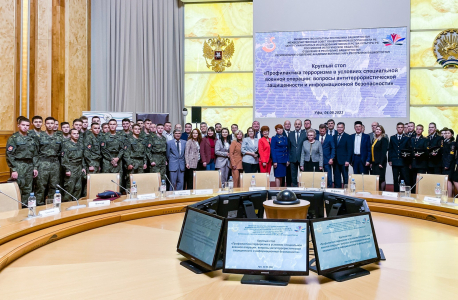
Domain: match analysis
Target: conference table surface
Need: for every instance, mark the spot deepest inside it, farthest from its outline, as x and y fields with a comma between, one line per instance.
x=129, y=249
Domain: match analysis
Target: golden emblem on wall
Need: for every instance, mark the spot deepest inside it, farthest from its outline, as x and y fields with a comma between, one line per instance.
x=219, y=51
x=445, y=48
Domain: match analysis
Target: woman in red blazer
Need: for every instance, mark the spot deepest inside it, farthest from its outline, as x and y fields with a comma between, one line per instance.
x=265, y=161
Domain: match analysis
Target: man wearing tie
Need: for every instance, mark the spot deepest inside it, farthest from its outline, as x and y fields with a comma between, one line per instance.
x=399, y=165
x=361, y=150
x=434, y=142
x=331, y=124
x=419, y=147
x=295, y=140
x=286, y=132
x=256, y=126
x=176, y=158
x=411, y=129
x=218, y=129
x=329, y=152
x=344, y=151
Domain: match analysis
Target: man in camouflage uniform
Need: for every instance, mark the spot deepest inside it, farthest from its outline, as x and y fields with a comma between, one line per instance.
x=37, y=123
x=112, y=149
x=135, y=155
x=65, y=133
x=73, y=165
x=21, y=154
x=49, y=149
x=158, y=159
x=92, y=154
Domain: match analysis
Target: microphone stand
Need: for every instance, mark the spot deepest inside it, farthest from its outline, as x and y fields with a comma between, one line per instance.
x=77, y=206
x=313, y=179
x=33, y=213
x=127, y=191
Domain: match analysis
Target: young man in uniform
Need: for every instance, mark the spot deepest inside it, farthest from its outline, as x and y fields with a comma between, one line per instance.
x=49, y=149
x=158, y=160
x=65, y=126
x=135, y=156
x=419, y=147
x=78, y=124
x=37, y=122
x=435, y=142
x=73, y=165
x=112, y=149
x=105, y=128
x=92, y=154
x=21, y=157
x=85, y=125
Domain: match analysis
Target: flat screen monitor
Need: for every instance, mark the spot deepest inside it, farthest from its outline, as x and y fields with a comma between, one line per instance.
x=235, y=205
x=200, y=237
x=338, y=205
x=209, y=205
x=266, y=247
x=344, y=242
x=316, y=209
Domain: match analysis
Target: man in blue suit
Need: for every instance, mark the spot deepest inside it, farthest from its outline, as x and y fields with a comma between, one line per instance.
x=175, y=156
x=295, y=140
x=361, y=150
x=344, y=152
x=329, y=151
x=286, y=132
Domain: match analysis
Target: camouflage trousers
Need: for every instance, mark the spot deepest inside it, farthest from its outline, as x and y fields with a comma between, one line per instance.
x=137, y=169
x=160, y=167
x=24, y=169
x=48, y=178
x=74, y=183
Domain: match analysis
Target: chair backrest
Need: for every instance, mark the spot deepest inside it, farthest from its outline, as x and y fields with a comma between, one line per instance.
x=206, y=180
x=97, y=183
x=12, y=190
x=371, y=182
x=427, y=185
x=262, y=180
x=308, y=180
x=147, y=183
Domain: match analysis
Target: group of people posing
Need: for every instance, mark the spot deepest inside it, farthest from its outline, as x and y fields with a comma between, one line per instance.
x=41, y=159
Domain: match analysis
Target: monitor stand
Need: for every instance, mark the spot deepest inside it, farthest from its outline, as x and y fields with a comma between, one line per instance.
x=334, y=212
x=347, y=274
x=249, y=210
x=266, y=280
x=199, y=269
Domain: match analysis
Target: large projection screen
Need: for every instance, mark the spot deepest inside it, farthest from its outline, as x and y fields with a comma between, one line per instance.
x=332, y=73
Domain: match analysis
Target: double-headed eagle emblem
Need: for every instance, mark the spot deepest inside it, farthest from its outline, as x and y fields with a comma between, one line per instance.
x=445, y=48
x=219, y=51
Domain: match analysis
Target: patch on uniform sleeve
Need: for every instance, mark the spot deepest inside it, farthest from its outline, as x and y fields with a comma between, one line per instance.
x=149, y=145
x=62, y=154
x=10, y=148
x=125, y=147
x=102, y=144
x=89, y=146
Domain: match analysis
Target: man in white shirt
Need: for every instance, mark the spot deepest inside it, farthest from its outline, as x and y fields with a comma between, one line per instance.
x=168, y=131
x=287, y=129
x=361, y=150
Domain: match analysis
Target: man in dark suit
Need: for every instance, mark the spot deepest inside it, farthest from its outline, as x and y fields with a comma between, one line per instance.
x=329, y=151
x=419, y=147
x=344, y=151
x=286, y=132
x=308, y=126
x=435, y=158
x=176, y=159
x=399, y=164
x=411, y=129
x=295, y=140
x=361, y=150
x=331, y=124
x=187, y=131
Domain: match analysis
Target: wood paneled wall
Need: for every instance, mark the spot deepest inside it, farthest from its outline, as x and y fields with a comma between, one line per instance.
x=59, y=63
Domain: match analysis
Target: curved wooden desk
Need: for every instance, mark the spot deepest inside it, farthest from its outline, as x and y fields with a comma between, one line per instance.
x=137, y=259
x=19, y=236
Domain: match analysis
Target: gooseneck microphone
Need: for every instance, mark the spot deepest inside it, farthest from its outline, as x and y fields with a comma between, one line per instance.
x=416, y=183
x=169, y=182
x=127, y=191
x=34, y=215
x=78, y=205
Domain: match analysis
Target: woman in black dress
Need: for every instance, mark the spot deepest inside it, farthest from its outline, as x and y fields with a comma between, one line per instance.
x=378, y=156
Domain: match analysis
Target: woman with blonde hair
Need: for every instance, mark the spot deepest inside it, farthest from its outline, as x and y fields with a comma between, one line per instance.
x=378, y=155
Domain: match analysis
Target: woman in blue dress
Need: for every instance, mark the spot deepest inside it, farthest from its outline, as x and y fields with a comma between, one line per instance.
x=280, y=154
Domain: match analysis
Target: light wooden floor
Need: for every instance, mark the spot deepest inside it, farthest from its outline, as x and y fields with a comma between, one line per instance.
x=138, y=260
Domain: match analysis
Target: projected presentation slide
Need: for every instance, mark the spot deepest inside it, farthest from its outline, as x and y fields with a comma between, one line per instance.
x=344, y=241
x=333, y=73
x=200, y=236
x=274, y=246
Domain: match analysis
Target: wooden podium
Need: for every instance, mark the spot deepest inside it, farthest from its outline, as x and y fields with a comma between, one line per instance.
x=295, y=211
